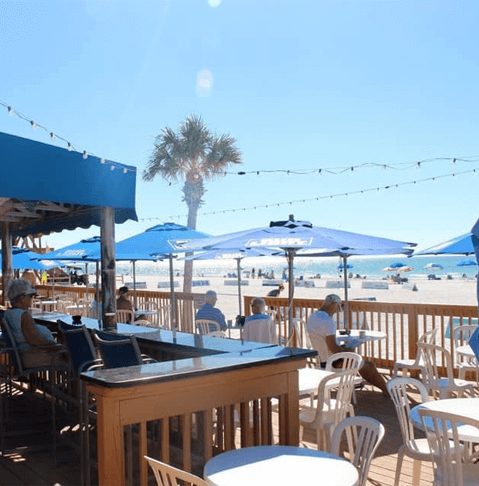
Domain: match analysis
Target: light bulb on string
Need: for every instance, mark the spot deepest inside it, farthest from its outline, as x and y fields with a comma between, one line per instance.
x=85, y=154
x=11, y=111
x=418, y=166
x=53, y=136
x=102, y=160
x=352, y=170
x=33, y=124
x=112, y=167
x=69, y=147
x=125, y=170
x=454, y=162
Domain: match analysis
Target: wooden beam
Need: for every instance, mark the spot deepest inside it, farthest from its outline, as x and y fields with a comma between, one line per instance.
x=108, y=267
x=7, y=267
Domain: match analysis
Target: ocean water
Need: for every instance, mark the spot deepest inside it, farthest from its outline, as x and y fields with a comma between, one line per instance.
x=326, y=267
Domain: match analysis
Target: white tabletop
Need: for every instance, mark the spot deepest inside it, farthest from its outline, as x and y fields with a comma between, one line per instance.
x=279, y=466
x=309, y=379
x=357, y=337
x=465, y=351
x=465, y=407
x=145, y=312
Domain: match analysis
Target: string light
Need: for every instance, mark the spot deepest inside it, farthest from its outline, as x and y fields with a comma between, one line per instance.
x=330, y=196
x=54, y=136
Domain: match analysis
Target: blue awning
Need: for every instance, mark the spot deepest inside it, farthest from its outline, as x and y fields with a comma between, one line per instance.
x=47, y=189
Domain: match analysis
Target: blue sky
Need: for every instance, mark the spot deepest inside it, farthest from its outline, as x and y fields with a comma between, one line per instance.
x=299, y=84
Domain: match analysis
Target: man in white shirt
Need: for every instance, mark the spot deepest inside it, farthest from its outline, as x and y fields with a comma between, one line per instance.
x=322, y=334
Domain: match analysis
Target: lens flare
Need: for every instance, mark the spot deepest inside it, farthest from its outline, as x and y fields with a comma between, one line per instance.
x=204, y=83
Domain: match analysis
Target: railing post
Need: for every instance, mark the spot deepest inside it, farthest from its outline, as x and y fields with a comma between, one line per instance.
x=412, y=323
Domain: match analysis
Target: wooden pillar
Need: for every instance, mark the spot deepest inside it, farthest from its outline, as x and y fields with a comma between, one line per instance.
x=7, y=265
x=108, y=267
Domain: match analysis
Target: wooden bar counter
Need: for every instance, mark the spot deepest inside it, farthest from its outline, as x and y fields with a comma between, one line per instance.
x=183, y=410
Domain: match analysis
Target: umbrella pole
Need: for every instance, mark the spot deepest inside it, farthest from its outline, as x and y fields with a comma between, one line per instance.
x=98, y=293
x=346, y=310
x=238, y=269
x=290, y=291
x=87, y=282
x=172, y=296
x=134, y=285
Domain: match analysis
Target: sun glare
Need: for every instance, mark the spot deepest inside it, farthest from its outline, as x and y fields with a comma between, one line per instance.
x=204, y=83
x=214, y=3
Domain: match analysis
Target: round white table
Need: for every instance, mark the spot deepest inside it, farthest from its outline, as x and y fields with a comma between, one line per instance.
x=357, y=337
x=279, y=466
x=466, y=351
x=465, y=407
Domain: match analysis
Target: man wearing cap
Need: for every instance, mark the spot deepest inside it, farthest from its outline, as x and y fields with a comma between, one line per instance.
x=322, y=334
x=209, y=311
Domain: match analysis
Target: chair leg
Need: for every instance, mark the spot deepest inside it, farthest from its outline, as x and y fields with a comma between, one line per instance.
x=416, y=472
x=399, y=465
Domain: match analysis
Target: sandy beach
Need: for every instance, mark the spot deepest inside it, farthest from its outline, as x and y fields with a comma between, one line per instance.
x=457, y=291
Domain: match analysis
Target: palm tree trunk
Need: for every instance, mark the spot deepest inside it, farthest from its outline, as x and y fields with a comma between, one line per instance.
x=192, y=217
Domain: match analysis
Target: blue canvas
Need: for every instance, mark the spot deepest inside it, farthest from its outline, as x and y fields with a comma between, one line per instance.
x=474, y=342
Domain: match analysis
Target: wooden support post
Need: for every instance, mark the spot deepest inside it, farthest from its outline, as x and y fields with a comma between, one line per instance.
x=108, y=267
x=7, y=266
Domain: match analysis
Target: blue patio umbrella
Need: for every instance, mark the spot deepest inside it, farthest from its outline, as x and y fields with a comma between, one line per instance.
x=236, y=255
x=461, y=245
x=24, y=259
x=161, y=241
x=301, y=238
x=475, y=243
x=466, y=263
x=341, y=266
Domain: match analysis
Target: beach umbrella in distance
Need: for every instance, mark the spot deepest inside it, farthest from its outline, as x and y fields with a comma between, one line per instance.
x=405, y=269
x=236, y=255
x=301, y=238
x=466, y=263
x=433, y=266
x=395, y=265
x=341, y=266
x=388, y=269
x=161, y=242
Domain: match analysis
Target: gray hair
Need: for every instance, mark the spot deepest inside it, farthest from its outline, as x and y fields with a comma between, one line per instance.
x=258, y=301
x=19, y=287
x=210, y=296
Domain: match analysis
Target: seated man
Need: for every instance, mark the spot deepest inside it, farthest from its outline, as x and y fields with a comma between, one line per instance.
x=259, y=327
x=322, y=333
x=123, y=302
x=209, y=311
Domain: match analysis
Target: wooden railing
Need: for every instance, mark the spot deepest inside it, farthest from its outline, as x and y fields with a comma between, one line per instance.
x=402, y=323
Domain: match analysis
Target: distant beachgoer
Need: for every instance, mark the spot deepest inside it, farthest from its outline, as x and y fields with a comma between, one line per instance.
x=44, y=277
x=260, y=273
x=252, y=272
x=272, y=274
x=284, y=275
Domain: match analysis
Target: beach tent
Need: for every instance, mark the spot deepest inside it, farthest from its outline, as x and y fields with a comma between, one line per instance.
x=341, y=266
x=433, y=266
x=301, y=238
x=236, y=255
x=161, y=242
x=48, y=189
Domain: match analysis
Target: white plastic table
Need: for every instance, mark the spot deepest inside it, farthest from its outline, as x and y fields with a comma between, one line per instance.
x=279, y=466
x=466, y=351
x=361, y=335
x=465, y=407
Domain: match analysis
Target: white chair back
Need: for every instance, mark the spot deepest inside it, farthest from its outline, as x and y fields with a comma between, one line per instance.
x=167, y=475
x=363, y=436
x=351, y=361
x=447, y=455
x=206, y=326
x=125, y=316
x=260, y=331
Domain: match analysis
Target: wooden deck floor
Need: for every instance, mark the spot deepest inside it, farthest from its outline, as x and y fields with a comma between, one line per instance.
x=28, y=467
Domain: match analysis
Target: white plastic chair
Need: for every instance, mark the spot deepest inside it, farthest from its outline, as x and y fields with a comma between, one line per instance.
x=351, y=361
x=447, y=454
x=436, y=357
x=206, y=326
x=416, y=364
x=163, y=316
x=417, y=449
x=302, y=337
x=125, y=316
x=260, y=331
x=363, y=436
x=167, y=475
x=150, y=305
x=328, y=412
x=461, y=335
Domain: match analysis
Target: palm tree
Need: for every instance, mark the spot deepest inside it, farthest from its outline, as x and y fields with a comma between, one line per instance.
x=194, y=155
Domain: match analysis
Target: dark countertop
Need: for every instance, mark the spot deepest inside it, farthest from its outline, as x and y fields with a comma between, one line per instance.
x=210, y=355
x=191, y=367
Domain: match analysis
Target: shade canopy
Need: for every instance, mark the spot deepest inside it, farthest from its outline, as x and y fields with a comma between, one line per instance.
x=461, y=245
x=341, y=266
x=48, y=189
x=24, y=259
x=301, y=238
x=397, y=265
